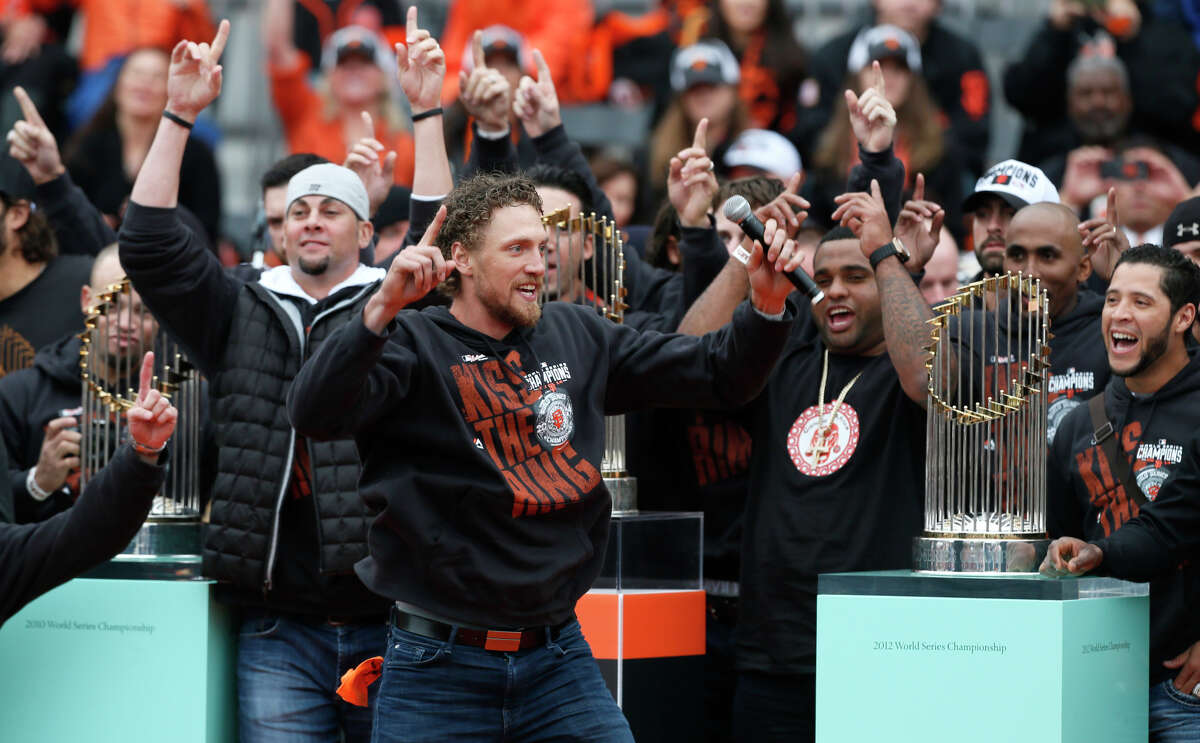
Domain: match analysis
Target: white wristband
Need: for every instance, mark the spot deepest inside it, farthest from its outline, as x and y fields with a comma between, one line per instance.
x=34, y=489
x=492, y=134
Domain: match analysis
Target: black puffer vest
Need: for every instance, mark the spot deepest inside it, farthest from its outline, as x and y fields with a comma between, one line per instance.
x=267, y=345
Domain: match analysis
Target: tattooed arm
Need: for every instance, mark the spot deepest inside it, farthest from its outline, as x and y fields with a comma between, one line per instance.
x=905, y=312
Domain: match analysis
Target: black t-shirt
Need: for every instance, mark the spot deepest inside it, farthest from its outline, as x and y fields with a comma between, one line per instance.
x=855, y=506
x=689, y=460
x=42, y=312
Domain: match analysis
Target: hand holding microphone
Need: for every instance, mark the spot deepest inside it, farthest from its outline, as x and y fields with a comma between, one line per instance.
x=737, y=210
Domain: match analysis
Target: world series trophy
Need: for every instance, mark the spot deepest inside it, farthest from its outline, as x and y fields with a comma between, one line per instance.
x=985, y=465
x=118, y=332
x=586, y=265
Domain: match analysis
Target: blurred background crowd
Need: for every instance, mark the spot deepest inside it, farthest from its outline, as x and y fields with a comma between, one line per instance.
x=1066, y=85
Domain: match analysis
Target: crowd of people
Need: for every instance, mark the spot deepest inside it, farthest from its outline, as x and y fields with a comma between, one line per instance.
x=408, y=375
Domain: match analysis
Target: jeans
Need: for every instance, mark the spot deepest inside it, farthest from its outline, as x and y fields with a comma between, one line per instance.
x=1174, y=714
x=770, y=708
x=288, y=674
x=434, y=690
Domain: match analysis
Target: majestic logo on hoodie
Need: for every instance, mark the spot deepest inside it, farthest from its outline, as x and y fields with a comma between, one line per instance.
x=526, y=430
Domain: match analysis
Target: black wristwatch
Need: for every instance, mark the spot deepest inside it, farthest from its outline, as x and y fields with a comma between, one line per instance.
x=895, y=247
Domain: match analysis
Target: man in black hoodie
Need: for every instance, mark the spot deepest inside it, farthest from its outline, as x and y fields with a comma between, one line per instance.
x=1150, y=406
x=40, y=406
x=1043, y=241
x=481, y=430
x=37, y=557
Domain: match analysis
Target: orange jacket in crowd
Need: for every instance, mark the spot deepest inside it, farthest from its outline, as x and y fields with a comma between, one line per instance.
x=302, y=113
x=559, y=28
x=116, y=27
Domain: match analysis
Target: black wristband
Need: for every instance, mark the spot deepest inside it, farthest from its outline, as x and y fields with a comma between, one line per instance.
x=426, y=114
x=177, y=119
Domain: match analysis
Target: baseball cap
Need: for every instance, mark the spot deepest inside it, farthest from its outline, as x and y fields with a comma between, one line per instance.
x=15, y=182
x=706, y=61
x=1018, y=184
x=1183, y=226
x=497, y=38
x=883, y=42
x=334, y=181
x=357, y=40
x=768, y=151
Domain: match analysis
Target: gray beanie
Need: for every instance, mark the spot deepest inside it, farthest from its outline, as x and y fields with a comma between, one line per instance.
x=334, y=181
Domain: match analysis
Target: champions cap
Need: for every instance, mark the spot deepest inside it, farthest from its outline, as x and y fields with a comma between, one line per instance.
x=706, y=61
x=1017, y=183
x=334, y=181
x=765, y=150
x=1183, y=226
x=884, y=42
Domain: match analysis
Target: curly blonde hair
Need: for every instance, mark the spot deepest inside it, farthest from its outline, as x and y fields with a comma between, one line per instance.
x=469, y=209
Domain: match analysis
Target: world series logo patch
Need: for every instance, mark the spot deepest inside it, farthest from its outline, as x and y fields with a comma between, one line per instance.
x=555, y=419
x=820, y=447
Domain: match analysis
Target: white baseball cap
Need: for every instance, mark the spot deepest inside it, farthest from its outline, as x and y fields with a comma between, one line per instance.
x=1018, y=184
x=768, y=151
x=334, y=181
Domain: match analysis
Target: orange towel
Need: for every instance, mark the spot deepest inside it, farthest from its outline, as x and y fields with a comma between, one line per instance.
x=357, y=679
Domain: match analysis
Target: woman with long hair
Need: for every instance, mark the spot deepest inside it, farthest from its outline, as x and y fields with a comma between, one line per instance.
x=759, y=33
x=105, y=155
x=920, y=142
x=704, y=77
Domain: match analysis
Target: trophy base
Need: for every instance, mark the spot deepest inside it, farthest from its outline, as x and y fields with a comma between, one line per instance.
x=165, y=537
x=623, y=491
x=981, y=556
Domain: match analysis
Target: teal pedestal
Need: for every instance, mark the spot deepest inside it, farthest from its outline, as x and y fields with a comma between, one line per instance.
x=120, y=660
x=909, y=657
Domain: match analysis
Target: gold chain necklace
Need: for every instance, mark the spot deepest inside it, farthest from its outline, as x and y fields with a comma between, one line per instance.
x=824, y=426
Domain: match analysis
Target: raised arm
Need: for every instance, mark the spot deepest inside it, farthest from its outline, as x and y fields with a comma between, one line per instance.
x=78, y=225
x=873, y=121
x=107, y=515
x=904, y=310
x=180, y=280
x=341, y=389
x=724, y=369
x=193, y=82
x=488, y=99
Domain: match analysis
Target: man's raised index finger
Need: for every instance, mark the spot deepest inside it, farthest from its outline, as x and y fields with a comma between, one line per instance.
x=147, y=376
x=700, y=139
x=1110, y=212
x=878, y=76
x=543, y=69
x=29, y=111
x=477, y=50
x=218, y=44
x=431, y=232
x=410, y=23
